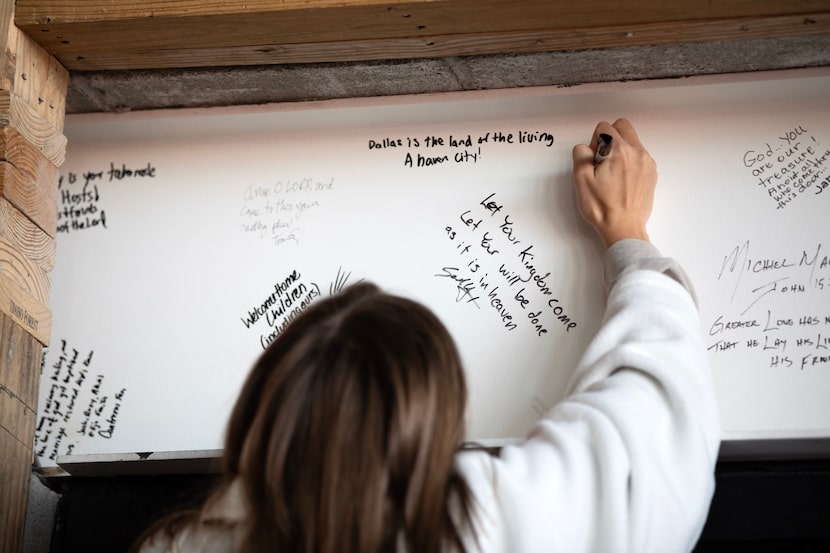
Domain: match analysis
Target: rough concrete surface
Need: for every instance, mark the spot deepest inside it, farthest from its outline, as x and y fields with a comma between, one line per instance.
x=114, y=91
x=40, y=517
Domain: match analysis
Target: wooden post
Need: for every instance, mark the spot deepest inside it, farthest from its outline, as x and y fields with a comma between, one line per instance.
x=32, y=146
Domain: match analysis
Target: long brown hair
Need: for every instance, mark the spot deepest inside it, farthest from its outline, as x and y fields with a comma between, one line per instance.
x=345, y=431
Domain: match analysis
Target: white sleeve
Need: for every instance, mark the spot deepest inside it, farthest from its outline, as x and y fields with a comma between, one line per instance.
x=626, y=461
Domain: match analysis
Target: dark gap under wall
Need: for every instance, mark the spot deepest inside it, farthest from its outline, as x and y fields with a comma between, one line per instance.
x=758, y=507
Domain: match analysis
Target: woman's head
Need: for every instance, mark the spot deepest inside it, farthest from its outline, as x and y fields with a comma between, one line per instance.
x=345, y=430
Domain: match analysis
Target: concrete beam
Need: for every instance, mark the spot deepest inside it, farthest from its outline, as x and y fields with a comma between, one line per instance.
x=114, y=91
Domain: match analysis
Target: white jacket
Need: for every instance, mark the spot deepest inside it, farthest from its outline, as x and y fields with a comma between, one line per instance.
x=626, y=461
x=624, y=464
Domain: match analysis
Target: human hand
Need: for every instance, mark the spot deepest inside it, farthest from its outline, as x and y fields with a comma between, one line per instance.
x=615, y=196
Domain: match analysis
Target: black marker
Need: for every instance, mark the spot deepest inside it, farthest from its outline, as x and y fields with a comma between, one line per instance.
x=603, y=148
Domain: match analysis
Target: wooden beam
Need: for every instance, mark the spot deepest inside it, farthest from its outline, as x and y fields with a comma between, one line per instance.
x=28, y=238
x=36, y=129
x=27, y=196
x=462, y=44
x=20, y=355
x=31, y=161
x=28, y=180
x=32, y=107
x=35, y=77
x=123, y=34
x=31, y=279
x=31, y=315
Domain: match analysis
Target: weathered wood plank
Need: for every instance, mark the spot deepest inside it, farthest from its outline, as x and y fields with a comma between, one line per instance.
x=120, y=34
x=35, y=76
x=20, y=356
x=7, y=58
x=17, y=418
x=19, y=362
x=39, y=131
x=34, y=317
x=18, y=151
x=32, y=105
x=15, y=471
x=31, y=278
x=462, y=44
x=25, y=236
x=472, y=13
x=39, y=80
x=19, y=376
x=29, y=197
